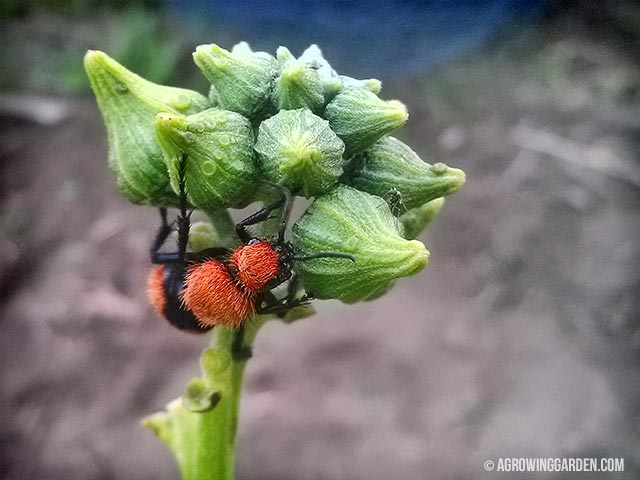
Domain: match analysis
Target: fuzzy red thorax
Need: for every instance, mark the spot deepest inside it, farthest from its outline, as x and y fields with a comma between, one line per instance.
x=255, y=264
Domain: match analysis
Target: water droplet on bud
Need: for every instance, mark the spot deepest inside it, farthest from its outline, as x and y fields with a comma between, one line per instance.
x=439, y=168
x=208, y=168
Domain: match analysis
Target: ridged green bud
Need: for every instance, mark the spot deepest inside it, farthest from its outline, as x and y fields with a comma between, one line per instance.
x=220, y=169
x=390, y=164
x=416, y=220
x=129, y=104
x=349, y=221
x=298, y=85
x=243, y=79
x=360, y=118
x=331, y=82
x=372, y=84
x=299, y=150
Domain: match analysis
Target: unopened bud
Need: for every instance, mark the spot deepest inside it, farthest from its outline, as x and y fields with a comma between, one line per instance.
x=220, y=163
x=243, y=79
x=298, y=85
x=331, y=82
x=299, y=150
x=390, y=165
x=349, y=221
x=417, y=219
x=360, y=118
x=129, y=104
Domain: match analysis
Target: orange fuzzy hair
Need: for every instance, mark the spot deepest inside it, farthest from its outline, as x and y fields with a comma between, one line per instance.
x=255, y=265
x=214, y=297
x=155, y=289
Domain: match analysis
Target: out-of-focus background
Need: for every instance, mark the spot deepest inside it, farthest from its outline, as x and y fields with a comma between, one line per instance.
x=520, y=339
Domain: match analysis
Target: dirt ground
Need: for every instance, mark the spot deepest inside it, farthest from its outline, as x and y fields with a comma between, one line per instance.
x=521, y=338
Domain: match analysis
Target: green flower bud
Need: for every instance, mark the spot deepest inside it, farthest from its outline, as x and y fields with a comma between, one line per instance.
x=347, y=220
x=220, y=170
x=390, y=164
x=417, y=219
x=360, y=118
x=129, y=104
x=298, y=85
x=372, y=84
x=331, y=83
x=299, y=150
x=243, y=79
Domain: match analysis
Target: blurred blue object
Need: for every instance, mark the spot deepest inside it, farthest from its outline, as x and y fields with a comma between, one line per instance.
x=393, y=39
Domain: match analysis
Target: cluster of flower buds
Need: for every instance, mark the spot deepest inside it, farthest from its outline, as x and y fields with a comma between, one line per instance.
x=286, y=120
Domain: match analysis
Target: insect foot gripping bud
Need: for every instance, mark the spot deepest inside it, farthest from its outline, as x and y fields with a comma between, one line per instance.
x=220, y=163
x=299, y=150
x=390, y=164
x=416, y=220
x=350, y=221
x=128, y=104
x=243, y=79
x=298, y=85
x=360, y=118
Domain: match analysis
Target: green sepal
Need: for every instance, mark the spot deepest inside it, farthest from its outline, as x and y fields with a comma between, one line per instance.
x=299, y=150
x=347, y=220
x=416, y=220
x=298, y=85
x=390, y=165
x=129, y=104
x=243, y=79
x=220, y=162
x=360, y=118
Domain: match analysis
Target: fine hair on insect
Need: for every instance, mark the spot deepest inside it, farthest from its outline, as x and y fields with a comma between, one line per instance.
x=196, y=291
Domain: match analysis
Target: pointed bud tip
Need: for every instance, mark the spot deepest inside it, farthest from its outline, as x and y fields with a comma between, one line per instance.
x=166, y=120
x=292, y=73
x=422, y=254
x=95, y=60
x=400, y=110
x=207, y=54
x=455, y=176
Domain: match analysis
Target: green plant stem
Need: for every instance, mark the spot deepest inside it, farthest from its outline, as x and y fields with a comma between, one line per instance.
x=225, y=341
x=203, y=442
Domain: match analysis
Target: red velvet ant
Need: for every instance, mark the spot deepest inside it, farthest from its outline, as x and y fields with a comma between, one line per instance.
x=196, y=291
